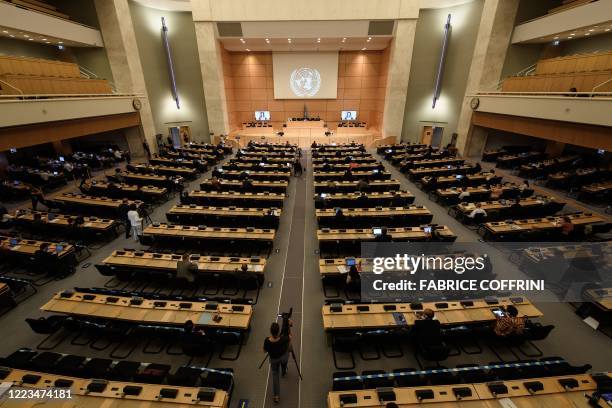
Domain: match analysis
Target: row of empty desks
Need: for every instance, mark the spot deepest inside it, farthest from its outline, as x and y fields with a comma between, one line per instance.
x=264, y=199
x=347, y=159
x=177, y=162
x=147, y=262
x=356, y=175
x=388, y=216
x=243, y=154
x=256, y=166
x=510, y=229
x=146, y=179
x=364, y=200
x=257, y=174
x=116, y=394
x=256, y=185
x=196, y=214
x=182, y=233
x=97, y=187
x=337, y=167
x=333, y=237
x=334, y=186
x=62, y=222
x=397, y=315
x=512, y=160
x=559, y=392
x=83, y=202
x=186, y=172
x=143, y=311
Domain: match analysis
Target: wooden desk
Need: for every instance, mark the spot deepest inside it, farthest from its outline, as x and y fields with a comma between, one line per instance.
x=532, y=203
x=187, y=172
x=254, y=217
x=127, y=190
x=351, y=186
x=347, y=200
x=456, y=314
x=367, y=175
x=244, y=158
x=339, y=166
x=193, y=154
x=85, y=203
x=28, y=247
x=187, y=232
x=341, y=153
x=516, y=159
x=396, y=234
x=552, y=395
x=504, y=228
x=333, y=160
x=259, y=154
x=222, y=197
x=305, y=124
x=256, y=166
x=152, y=262
x=399, y=147
x=597, y=188
x=536, y=169
x=257, y=175
x=450, y=180
x=112, y=396
x=432, y=163
x=257, y=185
x=419, y=173
x=602, y=298
x=178, y=162
x=392, y=216
x=147, y=313
x=92, y=224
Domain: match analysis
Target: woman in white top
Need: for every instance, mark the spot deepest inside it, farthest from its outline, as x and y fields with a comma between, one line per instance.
x=135, y=221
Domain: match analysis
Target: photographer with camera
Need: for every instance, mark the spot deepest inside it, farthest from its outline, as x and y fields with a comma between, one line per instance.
x=277, y=345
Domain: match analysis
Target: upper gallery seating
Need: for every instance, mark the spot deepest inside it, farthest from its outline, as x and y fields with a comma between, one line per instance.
x=568, y=4
x=580, y=71
x=41, y=76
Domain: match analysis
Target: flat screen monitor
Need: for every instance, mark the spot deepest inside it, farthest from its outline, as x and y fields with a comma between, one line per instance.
x=13, y=242
x=262, y=115
x=13, y=150
x=459, y=176
x=61, y=158
x=59, y=248
x=601, y=151
x=427, y=230
x=349, y=115
x=350, y=262
x=323, y=195
x=377, y=231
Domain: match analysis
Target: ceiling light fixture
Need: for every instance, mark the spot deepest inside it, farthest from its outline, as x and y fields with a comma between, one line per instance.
x=248, y=50
x=607, y=29
x=5, y=32
x=30, y=39
x=26, y=36
x=592, y=30
x=344, y=39
x=60, y=42
x=363, y=49
x=588, y=34
x=12, y=36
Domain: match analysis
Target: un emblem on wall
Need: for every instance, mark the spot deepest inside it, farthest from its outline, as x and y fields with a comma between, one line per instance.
x=305, y=81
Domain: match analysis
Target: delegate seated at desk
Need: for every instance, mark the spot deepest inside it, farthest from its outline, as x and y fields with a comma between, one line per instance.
x=509, y=323
x=476, y=211
x=464, y=193
x=383, y=236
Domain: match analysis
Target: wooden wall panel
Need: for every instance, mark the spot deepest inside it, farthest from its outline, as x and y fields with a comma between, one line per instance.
x=249, y=86
x=35, y=134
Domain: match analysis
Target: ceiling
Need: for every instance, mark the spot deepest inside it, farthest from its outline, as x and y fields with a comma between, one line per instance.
x=306, y=44
x=37, y=38
x=583, y=32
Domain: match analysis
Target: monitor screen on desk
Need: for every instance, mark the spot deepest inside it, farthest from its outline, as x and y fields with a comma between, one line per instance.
x=323, y=195
x=459, y=176
x=349, y=115
x=377, y=231
x=350, y=262
x=59, y=248
x=61, y=158
x=262, y=115
x=13, y=242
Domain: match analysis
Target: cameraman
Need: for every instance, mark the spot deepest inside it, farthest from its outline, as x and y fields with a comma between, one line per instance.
x=277, y=346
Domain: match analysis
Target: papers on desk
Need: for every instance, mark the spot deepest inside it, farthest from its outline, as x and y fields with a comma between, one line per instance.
x=87, y=224
x=342, y=269
x=507, y=403
x=205, y=319
x=514, y=227
x=54, y=220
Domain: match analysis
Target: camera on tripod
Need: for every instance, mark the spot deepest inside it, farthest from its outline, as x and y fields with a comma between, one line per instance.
x=286, y=322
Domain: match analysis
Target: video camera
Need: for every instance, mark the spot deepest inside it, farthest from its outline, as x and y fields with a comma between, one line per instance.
x=286, y=322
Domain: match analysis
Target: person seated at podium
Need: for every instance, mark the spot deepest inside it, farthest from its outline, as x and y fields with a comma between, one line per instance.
x=383, y=236
x=215, y=183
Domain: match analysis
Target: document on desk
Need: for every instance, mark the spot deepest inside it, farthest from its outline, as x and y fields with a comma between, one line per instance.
x=205, y=319
x=507, y=403
x=342, y=269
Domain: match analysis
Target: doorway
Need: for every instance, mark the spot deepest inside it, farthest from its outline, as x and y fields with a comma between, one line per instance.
x=432, y=135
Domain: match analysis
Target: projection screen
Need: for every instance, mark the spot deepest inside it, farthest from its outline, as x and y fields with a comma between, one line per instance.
x=305, y=75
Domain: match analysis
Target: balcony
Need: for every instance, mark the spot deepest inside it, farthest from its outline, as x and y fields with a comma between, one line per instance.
x=31, y=109
x=586, y=17
x=582, y=108
x=47, y=28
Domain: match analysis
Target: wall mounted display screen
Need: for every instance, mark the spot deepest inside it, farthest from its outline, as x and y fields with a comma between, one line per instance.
x=305, y=75
x=349, y=115
x=262, y=115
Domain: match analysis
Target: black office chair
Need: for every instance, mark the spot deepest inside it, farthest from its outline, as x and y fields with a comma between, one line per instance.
x=340, y=382
x=48, y=326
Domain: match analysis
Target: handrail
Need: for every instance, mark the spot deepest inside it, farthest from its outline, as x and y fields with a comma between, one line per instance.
x=523, y=72
x=89, y=73
x=583, y=95
x=12, y=86
x=47, y=97
x=602, y=84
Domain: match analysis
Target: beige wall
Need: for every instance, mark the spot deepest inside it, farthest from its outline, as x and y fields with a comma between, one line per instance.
x=249, y=87
x=147, y=26
x=427, y=48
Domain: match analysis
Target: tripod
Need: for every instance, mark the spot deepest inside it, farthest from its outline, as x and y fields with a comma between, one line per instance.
x=297, y=367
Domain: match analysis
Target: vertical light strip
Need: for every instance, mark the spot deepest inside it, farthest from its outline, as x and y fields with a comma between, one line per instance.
x=438, y=87
x=170, y=63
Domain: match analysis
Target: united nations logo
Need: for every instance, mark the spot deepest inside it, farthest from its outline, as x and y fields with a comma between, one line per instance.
x=305, y=81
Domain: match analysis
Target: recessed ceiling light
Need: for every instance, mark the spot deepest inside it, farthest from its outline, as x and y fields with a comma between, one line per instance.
x=5, y=32
x=248, y=50
x=591, y=30
x=344, y=39
x=44, y=39
x=12, y=36
x=363, y=49
x=289, y=39
x=607, y=29
x=573, y=34
x=30, y=39
x=26, y=36
x=47, y=42
x=569, y=38
x=588, y=34
x=556, y=38
x=60, y=42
